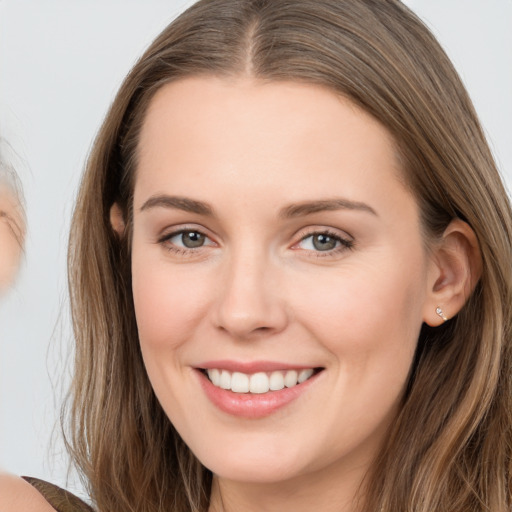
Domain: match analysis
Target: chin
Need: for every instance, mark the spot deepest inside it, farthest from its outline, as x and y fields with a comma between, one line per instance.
x=261, y=461
x=258, y=471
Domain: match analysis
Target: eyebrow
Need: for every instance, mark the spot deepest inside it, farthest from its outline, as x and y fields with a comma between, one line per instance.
x=310, y=207
x=291, y=211
x=178, y=203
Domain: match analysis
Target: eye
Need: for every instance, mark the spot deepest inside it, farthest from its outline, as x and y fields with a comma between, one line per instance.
x=186, y=239
x=324, y=242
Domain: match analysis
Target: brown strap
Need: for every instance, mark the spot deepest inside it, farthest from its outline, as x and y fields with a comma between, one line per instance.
x=59, y=499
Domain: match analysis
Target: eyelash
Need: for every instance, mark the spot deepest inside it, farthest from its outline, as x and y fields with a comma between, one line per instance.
x=344, y=243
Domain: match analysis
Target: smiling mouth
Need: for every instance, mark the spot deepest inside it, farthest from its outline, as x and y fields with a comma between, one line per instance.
x=260, y=382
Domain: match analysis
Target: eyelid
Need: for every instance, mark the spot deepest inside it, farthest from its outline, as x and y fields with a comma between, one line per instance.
x=169, y=231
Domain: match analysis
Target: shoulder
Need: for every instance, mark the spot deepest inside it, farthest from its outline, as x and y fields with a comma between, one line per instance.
x=34, y=495
x=16, y=494
x=60, y=499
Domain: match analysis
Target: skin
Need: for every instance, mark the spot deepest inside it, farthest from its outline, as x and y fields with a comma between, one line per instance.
x=16, y=495
x=10, y=232
x=258, y=289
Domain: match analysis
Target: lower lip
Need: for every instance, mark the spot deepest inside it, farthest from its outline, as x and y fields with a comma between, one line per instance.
x=252, y=405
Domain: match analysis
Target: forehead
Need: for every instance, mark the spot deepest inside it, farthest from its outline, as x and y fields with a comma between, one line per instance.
x=251, y=132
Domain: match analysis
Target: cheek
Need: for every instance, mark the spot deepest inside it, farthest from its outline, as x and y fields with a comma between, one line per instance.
x=366, y=309
x=169, y=302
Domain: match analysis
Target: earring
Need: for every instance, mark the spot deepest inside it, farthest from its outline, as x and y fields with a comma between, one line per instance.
x=440, y=312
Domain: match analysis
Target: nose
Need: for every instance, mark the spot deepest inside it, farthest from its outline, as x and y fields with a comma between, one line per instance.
x=250, y=302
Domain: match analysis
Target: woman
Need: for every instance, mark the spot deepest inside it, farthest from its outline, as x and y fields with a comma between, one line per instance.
x=289, y=272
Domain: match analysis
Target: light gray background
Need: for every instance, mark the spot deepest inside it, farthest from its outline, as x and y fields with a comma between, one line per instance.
x=61, y=62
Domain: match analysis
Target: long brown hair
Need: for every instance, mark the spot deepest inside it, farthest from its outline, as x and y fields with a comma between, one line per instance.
x=450, y=446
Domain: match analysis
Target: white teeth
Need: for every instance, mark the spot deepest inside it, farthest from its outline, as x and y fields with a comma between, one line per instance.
x=225, y=380
x=240, y=382
x=214, y=376
x=258, y=383
x=304, y=375
x=290, y=379
x=276, y=381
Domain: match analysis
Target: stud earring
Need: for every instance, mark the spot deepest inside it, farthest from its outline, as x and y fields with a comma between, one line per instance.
x=440, y=312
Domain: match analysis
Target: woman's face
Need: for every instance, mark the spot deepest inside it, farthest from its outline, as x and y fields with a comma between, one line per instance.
x=274, y=241
x=10, y=236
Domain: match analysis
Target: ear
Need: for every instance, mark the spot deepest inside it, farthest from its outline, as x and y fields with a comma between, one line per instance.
x=456, y=267
x=117, y=219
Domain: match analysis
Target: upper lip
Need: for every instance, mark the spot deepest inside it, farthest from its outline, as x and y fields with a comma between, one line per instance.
x=250, y=367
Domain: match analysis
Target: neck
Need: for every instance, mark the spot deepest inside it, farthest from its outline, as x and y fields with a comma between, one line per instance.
x=323, y=491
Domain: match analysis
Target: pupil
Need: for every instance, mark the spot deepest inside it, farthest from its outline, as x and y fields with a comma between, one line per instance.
x=324, y=242
x=192, y=239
